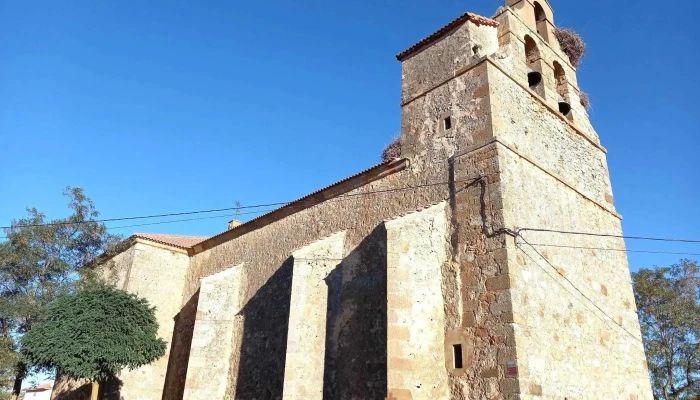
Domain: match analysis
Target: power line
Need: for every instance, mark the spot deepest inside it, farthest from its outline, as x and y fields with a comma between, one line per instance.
x=572, y=285
x=610, y=235
x=188, y=219
x=143, y=217
x=532, y=244
x=302, y=203
x=292, y=203
x=179, y=220
x=620, y=250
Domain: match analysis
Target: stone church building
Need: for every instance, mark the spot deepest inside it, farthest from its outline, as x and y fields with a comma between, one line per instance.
x=443, y=273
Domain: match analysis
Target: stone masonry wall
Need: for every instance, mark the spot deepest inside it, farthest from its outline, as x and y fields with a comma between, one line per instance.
x=360, y=355
x=511, y=57
x=480, y=316
x=354, y=347
x=417, y=248
x=437, y=63
x=214, y=329
x=306, y=342
x=576, y=330
x=526, y=125
x=413, y=286
x=355, y=364
x=117, y=270
x=508, y=160
x=465, y=99
x=157, y=275
x=566, y=346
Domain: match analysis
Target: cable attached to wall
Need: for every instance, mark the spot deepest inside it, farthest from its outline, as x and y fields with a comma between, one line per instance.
x=619, y=250
x=519, y=235
x=610, y=235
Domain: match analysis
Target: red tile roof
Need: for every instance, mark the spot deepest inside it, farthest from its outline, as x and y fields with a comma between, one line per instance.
x=45, y=386
x=181, y=241
x=475, y=18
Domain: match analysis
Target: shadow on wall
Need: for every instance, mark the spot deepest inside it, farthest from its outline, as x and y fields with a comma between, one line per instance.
x=112, y=390
x=179, y=357
x=264, y=342
x=355, y=365
x=67, y=389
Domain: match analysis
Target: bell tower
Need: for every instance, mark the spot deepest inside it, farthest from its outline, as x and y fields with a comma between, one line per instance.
x=537, y=15
x=528, y=34
x=493, y=105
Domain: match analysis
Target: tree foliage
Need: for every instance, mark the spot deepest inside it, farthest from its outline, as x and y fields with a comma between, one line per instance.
x=668, y=303
x=9, y=360
x=94, y=334
x=42, y=259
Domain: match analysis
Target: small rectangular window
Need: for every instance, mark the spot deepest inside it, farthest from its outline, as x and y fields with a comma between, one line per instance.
x=457, y=353
x=448, y=123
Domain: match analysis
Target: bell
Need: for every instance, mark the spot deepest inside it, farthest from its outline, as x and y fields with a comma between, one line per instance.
x=534, y=78
x=564, y=106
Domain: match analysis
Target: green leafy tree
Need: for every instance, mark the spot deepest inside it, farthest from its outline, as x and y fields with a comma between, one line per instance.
x=94, y=334
x=40, y=260
x=9, y=359
x=668, y=303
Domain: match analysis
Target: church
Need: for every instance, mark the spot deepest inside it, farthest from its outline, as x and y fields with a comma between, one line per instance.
x=449, y=271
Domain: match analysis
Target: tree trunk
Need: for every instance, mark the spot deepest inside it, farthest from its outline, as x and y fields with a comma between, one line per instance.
x=16, y=388
x=95, y=395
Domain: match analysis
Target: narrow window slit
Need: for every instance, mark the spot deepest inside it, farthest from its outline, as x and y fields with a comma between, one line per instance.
x=457, y=353
x=448, y=123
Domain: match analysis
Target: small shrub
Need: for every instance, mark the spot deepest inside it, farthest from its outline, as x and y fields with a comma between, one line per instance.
x=94, y=334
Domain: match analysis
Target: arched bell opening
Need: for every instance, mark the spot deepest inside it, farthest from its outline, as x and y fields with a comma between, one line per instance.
x=532, y=58
x=540, y=20
x=562, y=89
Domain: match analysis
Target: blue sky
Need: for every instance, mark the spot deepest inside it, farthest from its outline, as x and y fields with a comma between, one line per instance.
x=167, y=106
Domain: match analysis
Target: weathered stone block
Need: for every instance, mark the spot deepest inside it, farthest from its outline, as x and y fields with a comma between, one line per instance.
x=535, y=389
x=500, y=282
x=509, y=385
x=506, y=354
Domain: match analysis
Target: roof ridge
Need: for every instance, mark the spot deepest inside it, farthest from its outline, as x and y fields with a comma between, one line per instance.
x=180, y=241
x=168, y=234
x=467, y=16
x=46, y=386
x=302, y=203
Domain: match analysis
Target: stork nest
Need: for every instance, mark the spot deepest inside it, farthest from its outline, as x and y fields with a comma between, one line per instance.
x=571, y=44
x=585, y=99
x=392, y=150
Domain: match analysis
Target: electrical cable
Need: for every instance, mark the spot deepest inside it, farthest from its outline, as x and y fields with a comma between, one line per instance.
x=188, y=219
x=291, y=203
x=303, y=203
x=179, y=220
x=620, y=250
x=610, y=235
x=572, y=285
